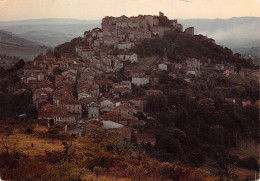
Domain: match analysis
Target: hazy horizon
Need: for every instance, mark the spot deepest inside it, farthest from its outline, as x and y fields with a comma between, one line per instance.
x=13, y=10
x=101, y=19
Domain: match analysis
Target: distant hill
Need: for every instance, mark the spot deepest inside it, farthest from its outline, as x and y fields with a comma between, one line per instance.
x=54, y=21
x=235, y=33
x=49, y=32
x=12, y=45
x=10, y=38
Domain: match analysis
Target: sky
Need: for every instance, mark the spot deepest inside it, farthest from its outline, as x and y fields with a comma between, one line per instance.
x=11, y=10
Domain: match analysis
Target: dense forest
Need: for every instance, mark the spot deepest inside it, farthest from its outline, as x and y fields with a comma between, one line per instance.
x=177, y=46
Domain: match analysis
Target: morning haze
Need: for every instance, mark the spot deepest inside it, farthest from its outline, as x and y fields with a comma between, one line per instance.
x=97, y=9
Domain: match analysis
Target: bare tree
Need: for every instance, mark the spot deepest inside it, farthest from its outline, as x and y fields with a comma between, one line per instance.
x=66, y=146
x=4, y=141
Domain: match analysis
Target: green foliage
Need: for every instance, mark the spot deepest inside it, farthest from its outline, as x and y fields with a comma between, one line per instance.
x=67, y=47
x=156, y=103
x=57, y=71
x=19, y=65
x=14, y=104
x=138, y=91
x=249, y=163
x=176, y=45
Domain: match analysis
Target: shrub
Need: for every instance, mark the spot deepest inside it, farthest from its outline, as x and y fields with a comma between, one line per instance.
x=249, y=163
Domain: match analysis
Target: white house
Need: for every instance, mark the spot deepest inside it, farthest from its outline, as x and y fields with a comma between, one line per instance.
x=125, y=45
x=122, y=84
x=140, y=80
x=191, y=72
x=162, y=66
x=107, y=103
x=128, y=56
x=111, y=125
x=83, y=95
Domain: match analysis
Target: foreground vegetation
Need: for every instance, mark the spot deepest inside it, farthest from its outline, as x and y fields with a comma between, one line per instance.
x=34, y=152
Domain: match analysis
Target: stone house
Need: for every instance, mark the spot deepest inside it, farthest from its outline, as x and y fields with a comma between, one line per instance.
x=72, y=106
x=189, y=30
x=39, y=93
x=180, y=27
x=118, y=92
x=110, y=40
x=192, y=66
x=87, y=53
x=111, y=64
x=93, y=110
x=125, y=109
x=55, y=114
x=97, y=32
x=107, y=102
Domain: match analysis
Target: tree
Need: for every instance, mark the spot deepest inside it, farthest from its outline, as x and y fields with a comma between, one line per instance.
x=49, y=52
x=97, y=170
x=66, y=147
x=156, y=103
x=19, y=64
x=4, y=142
x=163, y=78
x=57, y=71
x=174, y=99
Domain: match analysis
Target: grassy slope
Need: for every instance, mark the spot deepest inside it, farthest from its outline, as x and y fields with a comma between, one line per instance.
x=120, y=162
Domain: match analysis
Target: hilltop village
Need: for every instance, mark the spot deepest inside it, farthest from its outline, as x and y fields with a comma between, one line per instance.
x=103, y=90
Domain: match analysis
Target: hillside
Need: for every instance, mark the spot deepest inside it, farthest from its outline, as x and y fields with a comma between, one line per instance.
x=180, y=106
x=8, y=37
x=12, y=45
x=37, y=153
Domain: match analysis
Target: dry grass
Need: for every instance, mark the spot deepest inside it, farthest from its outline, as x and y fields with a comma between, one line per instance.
x=31, y=145
x=84, y=151
x=93, y=177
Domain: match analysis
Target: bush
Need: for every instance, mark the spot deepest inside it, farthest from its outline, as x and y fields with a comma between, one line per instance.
x=249, y=163
x=156, y=103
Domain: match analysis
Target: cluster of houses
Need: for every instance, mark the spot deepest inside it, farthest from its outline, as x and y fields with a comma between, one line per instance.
x=78, y=92
x=74, y=91
x=122, y=32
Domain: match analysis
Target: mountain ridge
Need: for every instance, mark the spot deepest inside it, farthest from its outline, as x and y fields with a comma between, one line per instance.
x=236, y=33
